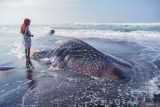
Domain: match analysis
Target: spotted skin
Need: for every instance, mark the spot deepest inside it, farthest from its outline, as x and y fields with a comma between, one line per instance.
x=78, y=56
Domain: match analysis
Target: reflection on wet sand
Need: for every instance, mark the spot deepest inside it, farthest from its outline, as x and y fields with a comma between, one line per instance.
x=31, y=81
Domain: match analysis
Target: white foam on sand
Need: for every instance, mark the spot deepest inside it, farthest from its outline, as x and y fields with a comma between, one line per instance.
x=150, y=88
x=18, y=50
x=153, y=86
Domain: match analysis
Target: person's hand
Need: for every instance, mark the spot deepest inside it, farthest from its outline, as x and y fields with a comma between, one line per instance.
x=32, y=35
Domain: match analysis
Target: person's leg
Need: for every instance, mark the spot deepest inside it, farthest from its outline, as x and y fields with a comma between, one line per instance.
x=29, y=56
x=29, y=53
x=30, y=63
x=27, y=61
x=26, y=53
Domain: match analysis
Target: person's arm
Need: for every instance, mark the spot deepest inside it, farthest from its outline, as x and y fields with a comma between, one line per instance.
x=28, y=33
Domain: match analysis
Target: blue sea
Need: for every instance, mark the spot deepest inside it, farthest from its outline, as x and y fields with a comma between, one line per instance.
x=135, y=43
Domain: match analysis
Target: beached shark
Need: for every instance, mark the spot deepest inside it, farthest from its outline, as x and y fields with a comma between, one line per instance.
x=78, y=56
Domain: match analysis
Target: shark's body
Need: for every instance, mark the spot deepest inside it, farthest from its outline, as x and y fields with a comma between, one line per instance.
x=78, y=56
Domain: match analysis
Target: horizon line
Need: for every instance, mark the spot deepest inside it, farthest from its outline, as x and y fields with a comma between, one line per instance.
x=91, y=23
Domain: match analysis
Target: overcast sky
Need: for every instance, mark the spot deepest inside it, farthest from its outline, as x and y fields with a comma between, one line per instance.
x=80, y=11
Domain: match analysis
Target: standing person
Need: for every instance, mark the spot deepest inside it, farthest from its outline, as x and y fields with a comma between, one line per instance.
x=27, y=40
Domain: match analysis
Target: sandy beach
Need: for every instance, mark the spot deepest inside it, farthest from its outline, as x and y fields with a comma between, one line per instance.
x=42, y=86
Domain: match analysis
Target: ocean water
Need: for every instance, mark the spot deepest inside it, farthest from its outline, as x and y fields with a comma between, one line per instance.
x=135, y=43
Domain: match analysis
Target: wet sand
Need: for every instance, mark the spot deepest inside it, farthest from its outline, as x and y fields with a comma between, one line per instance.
x=13, y=85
